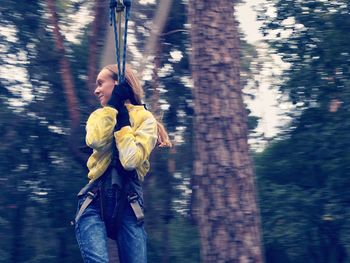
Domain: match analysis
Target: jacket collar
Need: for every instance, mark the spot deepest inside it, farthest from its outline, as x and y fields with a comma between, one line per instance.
x=131, y=107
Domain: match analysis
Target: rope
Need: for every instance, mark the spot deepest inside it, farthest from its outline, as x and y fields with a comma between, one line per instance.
x=118, y=7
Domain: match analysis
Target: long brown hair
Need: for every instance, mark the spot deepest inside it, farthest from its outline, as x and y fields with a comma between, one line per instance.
x=132, y=80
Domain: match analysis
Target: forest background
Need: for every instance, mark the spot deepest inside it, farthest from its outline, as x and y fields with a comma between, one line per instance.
x=302, y=172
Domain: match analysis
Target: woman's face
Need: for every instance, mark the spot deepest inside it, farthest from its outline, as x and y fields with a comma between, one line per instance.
x=104, y=86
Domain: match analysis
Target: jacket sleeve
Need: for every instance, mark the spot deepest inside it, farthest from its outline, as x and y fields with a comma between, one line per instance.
x=99, y=128
x=136, y=146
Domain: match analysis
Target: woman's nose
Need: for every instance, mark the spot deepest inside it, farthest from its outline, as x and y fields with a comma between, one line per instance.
x=97, y=90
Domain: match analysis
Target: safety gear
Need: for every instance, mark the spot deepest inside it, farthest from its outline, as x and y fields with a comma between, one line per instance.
x=123, y=188
x=134, y=143
x=116, y=182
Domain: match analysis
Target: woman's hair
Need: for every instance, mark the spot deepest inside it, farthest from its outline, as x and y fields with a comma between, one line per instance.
x=132, y=80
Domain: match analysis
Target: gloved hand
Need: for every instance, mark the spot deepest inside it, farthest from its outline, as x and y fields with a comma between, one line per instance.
x=120, y=94
x=122, y=118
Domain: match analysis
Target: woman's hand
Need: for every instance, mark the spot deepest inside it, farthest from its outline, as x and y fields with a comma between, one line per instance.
x=120, y=94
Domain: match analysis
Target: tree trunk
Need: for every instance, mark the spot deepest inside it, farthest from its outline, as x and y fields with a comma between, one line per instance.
x=226, y=206
x=97, y=31
x=65, y=69
x=68, y=85
x=158, y=24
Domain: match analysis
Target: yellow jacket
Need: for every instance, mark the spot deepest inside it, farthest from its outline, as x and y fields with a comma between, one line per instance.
x=134, y=142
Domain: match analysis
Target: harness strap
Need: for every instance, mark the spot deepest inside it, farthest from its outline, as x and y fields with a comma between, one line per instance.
x=91, y=189
x=132, y=199
x=90, y=197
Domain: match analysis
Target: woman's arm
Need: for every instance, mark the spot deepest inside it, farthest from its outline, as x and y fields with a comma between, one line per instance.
x=136, y=146
x=99, y=128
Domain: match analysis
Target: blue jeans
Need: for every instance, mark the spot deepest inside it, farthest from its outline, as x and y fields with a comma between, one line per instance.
x=91, y=235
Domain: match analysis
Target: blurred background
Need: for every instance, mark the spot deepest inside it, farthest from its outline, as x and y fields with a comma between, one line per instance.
x=294, y=58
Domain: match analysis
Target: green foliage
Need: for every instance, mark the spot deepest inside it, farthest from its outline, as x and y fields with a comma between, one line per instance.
x=304, y=174
x=312, y=37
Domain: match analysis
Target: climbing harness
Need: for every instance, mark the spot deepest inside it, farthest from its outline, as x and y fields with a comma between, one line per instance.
x=124, y=185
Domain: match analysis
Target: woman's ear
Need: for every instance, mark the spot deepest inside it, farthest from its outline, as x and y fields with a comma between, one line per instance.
x=116, y=82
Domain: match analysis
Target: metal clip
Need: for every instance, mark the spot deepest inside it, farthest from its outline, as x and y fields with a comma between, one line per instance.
x=132, y=198
x=91, y=194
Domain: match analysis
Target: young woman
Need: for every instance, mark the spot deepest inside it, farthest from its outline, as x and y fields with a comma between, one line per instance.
x=122, y=122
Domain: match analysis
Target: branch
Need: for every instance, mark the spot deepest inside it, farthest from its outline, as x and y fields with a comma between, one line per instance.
x=158, y=25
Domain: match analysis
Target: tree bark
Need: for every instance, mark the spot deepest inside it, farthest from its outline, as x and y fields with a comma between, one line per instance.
x=226, y=205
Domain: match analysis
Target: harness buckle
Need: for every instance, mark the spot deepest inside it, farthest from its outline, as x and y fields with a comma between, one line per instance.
x=91, y=194
x=132, y=198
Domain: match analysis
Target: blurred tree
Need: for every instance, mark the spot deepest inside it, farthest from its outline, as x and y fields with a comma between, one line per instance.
x=225, y=205
x=308, y=166
x=66, y=73
x=41, y=177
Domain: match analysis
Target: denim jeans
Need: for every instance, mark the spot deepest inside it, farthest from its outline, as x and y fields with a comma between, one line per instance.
x=91, y=235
